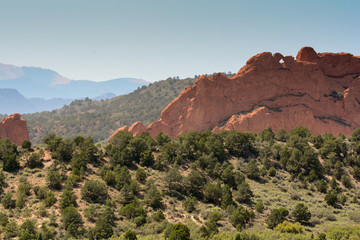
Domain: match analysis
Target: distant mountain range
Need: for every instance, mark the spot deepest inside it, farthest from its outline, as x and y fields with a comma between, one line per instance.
x=31, y=89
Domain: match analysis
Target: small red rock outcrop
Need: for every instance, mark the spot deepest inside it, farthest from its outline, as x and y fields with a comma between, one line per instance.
x=15, y=128
x=319, y=91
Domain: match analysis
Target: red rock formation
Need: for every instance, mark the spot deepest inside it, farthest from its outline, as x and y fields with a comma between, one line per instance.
x=319, y=91
x=15, y=128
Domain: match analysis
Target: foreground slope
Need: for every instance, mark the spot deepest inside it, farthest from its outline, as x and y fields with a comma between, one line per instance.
x=319, y=91
x=213, y=186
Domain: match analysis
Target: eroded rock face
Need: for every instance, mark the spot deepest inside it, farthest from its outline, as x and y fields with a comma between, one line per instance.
x=15, y=128
x=319, y=91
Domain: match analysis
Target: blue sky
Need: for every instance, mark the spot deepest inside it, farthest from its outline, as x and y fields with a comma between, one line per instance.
x=106, y=39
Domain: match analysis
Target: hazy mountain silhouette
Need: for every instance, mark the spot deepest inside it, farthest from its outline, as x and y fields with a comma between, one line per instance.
x=34, y=82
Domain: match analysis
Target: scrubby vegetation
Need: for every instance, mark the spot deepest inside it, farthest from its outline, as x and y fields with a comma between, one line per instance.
x=227, y=185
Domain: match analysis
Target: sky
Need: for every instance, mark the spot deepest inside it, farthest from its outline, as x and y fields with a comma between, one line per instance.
x=106, y=39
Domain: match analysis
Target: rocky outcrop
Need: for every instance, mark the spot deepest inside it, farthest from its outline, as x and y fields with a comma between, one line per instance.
x=15, y=128
x=319, y=91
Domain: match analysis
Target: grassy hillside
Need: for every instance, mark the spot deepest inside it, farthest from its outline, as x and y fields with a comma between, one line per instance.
x=230, y=185
x=100, y=118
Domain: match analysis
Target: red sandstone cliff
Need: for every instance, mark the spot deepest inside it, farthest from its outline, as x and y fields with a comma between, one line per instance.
x=319, y=91
x=15, y=128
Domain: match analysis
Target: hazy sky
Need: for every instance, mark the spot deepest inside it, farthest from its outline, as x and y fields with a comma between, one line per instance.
x=106, y=39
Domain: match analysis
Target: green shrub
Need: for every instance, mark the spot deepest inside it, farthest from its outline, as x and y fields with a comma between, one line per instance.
x=173, y=180
x=228, y=176
x=342, y=198
x=272, y=172
x=146, y=158
x=70, y=216
x=195, y=182
x=40, y=192
x=240, y=216
x=252, y=170
x=226, y=197
x=244, y=193
x=11, y=230
x=110, y=178
x=344, y=232
x=141, y=175
x=79, y=161
x=259, y=206
x=189, y=204
x=179, y=231
x=132, y=210
x=91, y=213
x=239, y=144
x=276, y=217
x=50, y=199
x=140, y=220
x=130, y=235
x=47, y=233
x=67, y=199
x=102, y=229
x=301, y=213
x=63, y=151
x=7, y=201
x=213, y=193
x=26, y=144
x=3, y=219
x=49, y=137
x=345, y=179
x=322, y=186
x=20, y=201
x=10, y=161
x=94, y=191
x=331, y=197
x=153, y=196
x=282, y=135
x=215, y=217
x=108, y=213
x=28, y=230
x=287, y=227
x=42, y=212
x=34, y=161
x=54, y=180
x=158, y=216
